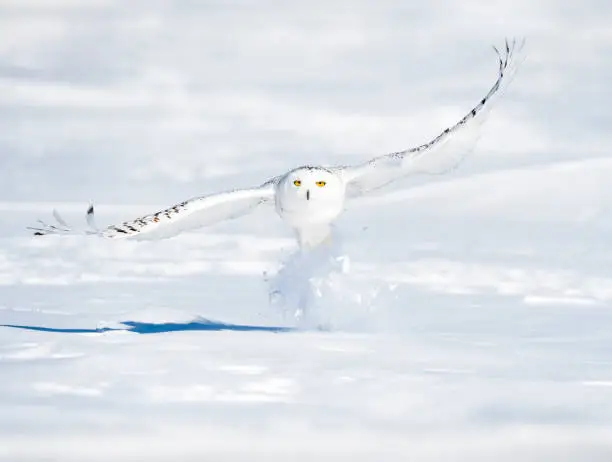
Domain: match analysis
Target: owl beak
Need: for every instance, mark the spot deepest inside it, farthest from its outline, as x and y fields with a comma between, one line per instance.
x=308, y=194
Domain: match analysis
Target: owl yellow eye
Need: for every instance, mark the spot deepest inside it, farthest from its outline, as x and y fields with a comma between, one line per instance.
x=298, y=183
x=320, y=184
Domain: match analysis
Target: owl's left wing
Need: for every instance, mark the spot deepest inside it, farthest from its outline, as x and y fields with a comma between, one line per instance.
x=445, y=151
x=188, y=215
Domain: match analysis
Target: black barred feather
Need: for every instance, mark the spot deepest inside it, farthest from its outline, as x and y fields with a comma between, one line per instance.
x=190, y=214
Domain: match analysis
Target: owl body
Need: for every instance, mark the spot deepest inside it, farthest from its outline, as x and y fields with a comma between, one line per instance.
x=309, y=199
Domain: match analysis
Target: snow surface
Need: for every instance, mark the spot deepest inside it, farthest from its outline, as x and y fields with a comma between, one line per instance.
x=484, y=325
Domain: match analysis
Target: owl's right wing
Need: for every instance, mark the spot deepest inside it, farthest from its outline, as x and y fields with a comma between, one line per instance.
x=442, y=153
x=188, y=215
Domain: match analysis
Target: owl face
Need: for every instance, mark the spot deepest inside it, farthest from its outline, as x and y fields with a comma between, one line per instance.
x=310, y=196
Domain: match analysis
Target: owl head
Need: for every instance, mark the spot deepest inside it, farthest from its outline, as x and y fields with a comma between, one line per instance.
x=309, y=196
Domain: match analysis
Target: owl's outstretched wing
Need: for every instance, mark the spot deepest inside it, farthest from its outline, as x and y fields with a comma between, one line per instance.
x=188, y=215
x=445, y=151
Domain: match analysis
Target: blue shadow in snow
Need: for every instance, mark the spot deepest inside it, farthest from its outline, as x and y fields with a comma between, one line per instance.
x=158, y=328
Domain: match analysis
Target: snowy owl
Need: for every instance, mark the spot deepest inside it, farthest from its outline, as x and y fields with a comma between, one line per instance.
x=310, y=198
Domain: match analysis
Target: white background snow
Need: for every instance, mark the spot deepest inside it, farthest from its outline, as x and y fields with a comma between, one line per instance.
x=496, y=343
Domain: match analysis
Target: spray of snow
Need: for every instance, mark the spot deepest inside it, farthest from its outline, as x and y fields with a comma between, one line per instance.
x=314, y=289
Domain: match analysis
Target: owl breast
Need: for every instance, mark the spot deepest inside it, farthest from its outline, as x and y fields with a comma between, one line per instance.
x=310, y=197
